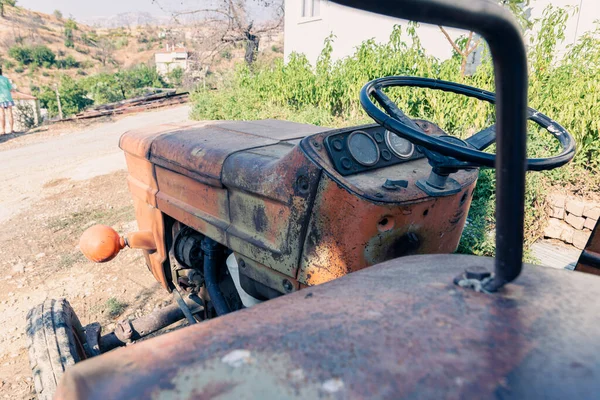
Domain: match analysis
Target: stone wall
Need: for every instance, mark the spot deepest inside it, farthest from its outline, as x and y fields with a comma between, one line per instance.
x=571, y=219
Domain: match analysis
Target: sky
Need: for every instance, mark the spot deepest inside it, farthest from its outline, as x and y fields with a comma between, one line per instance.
x=81, y=9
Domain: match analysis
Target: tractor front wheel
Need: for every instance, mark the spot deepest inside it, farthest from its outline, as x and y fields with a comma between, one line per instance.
x=56, y=341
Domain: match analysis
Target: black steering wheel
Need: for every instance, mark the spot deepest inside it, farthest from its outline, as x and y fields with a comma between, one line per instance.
x=469, y=150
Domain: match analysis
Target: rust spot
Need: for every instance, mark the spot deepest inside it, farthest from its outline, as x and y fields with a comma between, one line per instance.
x=259, y=217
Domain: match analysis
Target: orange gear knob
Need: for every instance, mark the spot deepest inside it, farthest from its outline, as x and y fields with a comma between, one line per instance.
x=101, y=243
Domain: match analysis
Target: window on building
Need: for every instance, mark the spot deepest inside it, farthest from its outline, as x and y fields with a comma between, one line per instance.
x=311, y=8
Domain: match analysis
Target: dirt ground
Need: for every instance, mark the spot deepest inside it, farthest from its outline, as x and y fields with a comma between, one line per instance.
x=39, y=255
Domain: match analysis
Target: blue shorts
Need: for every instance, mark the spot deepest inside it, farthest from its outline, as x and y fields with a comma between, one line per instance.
x=7, y=104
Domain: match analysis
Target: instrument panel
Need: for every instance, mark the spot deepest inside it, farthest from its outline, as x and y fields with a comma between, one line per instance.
x=365, y=149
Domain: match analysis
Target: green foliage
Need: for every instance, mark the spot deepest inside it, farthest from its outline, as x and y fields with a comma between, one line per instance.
x=21, y=54
x=19, y=69
x=115, y=307
x=564, y=88
x=226, y=54
x=4, y=3
x=107, y=88
x=36, y=55
x=70, y=26
x=72, y=95
x=67, y=62
x=175, y=77
x=43, y=56
x=121, y=42
x=25, y=115
x=8, y=64
x=58, y=14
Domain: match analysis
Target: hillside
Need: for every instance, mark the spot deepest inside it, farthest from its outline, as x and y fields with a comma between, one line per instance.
x=96, y=50
x=93, y=50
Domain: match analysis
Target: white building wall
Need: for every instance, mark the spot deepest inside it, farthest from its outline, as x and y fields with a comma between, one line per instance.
x=351, y=27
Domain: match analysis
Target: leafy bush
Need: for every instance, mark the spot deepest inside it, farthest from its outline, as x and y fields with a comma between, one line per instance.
x=43, y=56
x=72, y=95
x=19, y=69
x=121, y=42
x=176, y=76
x=37, y=55
x=25, y=115
x=565, y=89
x=58, y=14
x=21, y=54
x=67, y=62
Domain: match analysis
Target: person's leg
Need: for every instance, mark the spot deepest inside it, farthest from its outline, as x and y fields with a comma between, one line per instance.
x=11, y=120
x=2, y=121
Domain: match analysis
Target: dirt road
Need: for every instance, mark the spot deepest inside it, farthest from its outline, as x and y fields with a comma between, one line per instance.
x=52, y=188
x=24, y=170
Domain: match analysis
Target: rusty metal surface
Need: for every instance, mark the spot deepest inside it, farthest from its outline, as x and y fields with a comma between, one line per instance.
x=370, y=184
x=397, y=330
x=589, y=261
x=138, y=141
x=200, y=152
x=381, y=231
x=271, y=193
x=265, y=197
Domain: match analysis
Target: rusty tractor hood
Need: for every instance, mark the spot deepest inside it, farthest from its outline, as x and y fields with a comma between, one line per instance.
x=199, y=150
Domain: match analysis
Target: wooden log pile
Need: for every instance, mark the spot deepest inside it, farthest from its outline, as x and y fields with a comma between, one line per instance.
x=135, y=105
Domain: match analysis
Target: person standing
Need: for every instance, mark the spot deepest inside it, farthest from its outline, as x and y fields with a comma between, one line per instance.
x=6, y=104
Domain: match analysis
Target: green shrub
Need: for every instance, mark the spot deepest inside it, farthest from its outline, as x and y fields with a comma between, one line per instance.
x=22, y=54
x=37, y=55
x=176, y=76
x=73, y=97
x=68, y=62
x=121, y=42
x=564, y=88
x=19, y=69
x=43, y=56
x=8, y=64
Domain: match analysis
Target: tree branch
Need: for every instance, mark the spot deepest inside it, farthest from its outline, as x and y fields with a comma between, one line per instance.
x=454, y=45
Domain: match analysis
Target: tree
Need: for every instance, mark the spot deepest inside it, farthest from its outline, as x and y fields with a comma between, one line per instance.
x=229, y=22
x=517, y=7
x=70, y=26
x=4, y=3
x=73, y=97
x=58, y=14
x=106, y=49
x=176, y=76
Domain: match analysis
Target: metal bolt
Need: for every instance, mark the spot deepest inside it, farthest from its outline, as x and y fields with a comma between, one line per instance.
x=242, y=264
x=287, y=286
x=303, y=184
x=316, y=144
x=478, y=273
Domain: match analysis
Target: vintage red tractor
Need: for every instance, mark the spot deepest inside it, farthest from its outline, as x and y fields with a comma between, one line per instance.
x=233, y=214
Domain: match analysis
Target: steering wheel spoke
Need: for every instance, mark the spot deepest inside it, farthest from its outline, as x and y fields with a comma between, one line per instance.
x=484, y=138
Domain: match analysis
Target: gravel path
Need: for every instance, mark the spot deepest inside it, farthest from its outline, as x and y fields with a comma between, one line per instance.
x=79, y=156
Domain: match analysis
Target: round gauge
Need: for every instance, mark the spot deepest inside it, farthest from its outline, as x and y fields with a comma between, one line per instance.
x=399, y=146
x=363, y=148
